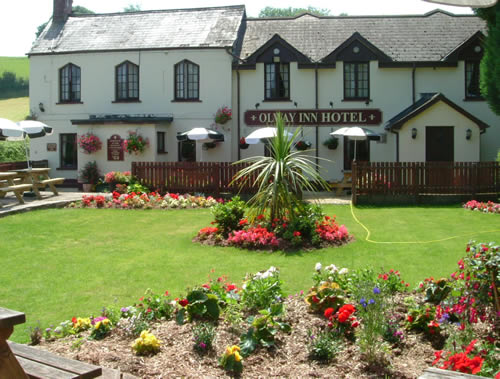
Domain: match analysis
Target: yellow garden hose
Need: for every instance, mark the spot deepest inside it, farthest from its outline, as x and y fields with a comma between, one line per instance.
x=367, y=238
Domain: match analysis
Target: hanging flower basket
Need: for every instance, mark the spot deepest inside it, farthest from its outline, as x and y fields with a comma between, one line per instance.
x=303, y=145
x=135, y=143
x=223, y=115
x=331, y=143
x=89, y=143
x=243, y=144
x=209, y=145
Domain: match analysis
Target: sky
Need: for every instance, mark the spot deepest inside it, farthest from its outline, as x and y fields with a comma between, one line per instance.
x=19, y=18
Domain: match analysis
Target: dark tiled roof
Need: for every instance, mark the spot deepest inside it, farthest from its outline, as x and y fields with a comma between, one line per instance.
x=426, y=101
x=123, y=119
x=429, y=37
x=189, y=28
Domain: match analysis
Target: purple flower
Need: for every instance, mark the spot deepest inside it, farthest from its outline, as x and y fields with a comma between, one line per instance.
x=371, y=301
x=363, y=302
x=202, y=345
x=97, y=319
x=124, y=310
x=376, y=290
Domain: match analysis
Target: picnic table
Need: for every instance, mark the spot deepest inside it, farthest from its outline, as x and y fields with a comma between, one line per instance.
x=345, y=183
x=39, y=179
x=11, y=182
x=21, y=361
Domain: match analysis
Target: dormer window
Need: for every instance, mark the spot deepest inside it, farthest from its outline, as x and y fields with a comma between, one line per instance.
x=277, y=81
x=69, y=84
x=127, y=82
x=356, y=80
x=187, y=81
x=472, y=89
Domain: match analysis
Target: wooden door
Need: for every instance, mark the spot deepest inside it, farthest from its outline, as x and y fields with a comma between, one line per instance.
x=439, y=144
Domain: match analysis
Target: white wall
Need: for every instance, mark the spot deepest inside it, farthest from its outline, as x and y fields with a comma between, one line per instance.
x=440, y=114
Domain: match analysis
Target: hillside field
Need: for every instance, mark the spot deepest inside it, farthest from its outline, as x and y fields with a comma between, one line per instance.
x=18, y=65
x=15, y=109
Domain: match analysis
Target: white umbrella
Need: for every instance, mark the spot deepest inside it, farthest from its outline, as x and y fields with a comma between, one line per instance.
x=201, y=135
x=466, y=3
x=263, y=133
x=9, y=129
x=355, y=133
x=35, y=129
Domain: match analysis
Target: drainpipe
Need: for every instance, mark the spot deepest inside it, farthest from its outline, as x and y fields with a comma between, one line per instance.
x=238, y=115
x=317, y=107
x=397, y=144
x=413, y=71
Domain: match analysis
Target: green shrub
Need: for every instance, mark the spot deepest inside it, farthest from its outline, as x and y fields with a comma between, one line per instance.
x=12, y=151
x=228, y=215
x=203, y=336
x=323, y=345
x=262, y=289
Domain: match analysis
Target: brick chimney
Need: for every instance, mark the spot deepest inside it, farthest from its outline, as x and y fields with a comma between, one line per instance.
x=62, y=9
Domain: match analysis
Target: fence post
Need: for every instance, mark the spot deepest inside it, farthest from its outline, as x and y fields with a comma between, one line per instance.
x=354, y=179
x=217, y=179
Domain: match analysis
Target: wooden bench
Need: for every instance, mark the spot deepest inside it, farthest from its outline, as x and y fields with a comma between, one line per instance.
x=23, y=362
x=38, y=363
x=17, y=189
x=51, y=183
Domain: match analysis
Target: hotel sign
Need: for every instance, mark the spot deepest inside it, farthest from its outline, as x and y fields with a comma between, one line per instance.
x=316, y=117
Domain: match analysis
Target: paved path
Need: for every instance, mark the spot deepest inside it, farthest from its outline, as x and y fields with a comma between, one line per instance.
x=327, y=198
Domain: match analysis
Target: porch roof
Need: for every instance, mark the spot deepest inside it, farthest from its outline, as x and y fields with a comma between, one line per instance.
x=427, y=100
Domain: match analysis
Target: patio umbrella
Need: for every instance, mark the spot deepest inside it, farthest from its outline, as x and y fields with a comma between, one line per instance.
x=466, y=3
x=35, y=129
x=263, y=133
x=9, y=129
x=355, y=133
x=201, y=135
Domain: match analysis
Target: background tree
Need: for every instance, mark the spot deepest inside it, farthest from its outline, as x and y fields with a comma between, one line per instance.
x=292, y=12
x=132, y=8
x=77, y=9
x=490, y=64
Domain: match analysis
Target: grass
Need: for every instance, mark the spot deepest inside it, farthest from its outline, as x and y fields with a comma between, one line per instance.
x=15, y=109
x=57, y=264
x=18, y=65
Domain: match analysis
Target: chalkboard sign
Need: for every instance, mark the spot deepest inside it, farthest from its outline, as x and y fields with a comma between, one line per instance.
x=115, y=150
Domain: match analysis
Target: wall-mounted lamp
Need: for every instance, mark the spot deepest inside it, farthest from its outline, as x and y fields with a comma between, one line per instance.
x=468, y=134
x=367, y=101
x=41, y=107
x=414, y=133
x=331, y=104
x=257, y=105
x=295, y=103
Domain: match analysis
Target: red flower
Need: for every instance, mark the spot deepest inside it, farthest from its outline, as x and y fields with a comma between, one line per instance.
x=167, y=293
x=355, y=324
x=260, y=217
x=315, y=299
x=437, y=354
x=141, y=299
x=74, y=320
x=410, y=319
x=183, y=302
x=296, y=233
x=207, y=286
x=328, y=312
x=243, y=222
x=230, y=287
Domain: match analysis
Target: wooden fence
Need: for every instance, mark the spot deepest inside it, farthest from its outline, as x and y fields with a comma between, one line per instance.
x=425, y=178
x=6, y=166
x=181, y=177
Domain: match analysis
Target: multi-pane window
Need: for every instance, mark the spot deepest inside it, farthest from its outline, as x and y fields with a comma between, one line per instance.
x=277, y=81
x=187, y=81
x=69, y=84
x=472, y=79
x=68, y=150
x=127, y=81
x=356, y=81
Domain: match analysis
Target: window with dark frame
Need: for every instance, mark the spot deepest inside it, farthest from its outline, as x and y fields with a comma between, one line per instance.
x=69, y=84
x=472, y=89
x=68, y=151
x=187, y=81
x=160, y=142
x=277, y=81
x=356, y=80
x=127, y=82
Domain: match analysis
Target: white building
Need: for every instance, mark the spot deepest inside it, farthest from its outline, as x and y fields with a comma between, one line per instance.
x=413, y=79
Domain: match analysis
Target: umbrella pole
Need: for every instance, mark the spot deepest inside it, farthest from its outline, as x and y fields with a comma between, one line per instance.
x=355, y=143
x=27, y=153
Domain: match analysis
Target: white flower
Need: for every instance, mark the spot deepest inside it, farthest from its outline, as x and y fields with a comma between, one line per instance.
x=332, y=268
x=343, y=271
x=265, y=275
x=318, y=267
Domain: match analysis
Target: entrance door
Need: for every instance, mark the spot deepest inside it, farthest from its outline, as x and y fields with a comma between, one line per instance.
x=187, y=151
x=439, y=144
x=362, y=151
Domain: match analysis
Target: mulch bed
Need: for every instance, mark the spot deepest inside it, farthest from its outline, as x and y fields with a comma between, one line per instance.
x=289, y=358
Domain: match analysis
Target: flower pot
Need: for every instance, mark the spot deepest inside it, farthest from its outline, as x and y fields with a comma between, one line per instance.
x=244, y=146
x=87, y=187
x=332, y=146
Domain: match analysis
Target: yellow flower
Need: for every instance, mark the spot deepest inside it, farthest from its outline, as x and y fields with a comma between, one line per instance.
x=237, y=356
x=97, y=325
x=229, y=351
x=235, y=348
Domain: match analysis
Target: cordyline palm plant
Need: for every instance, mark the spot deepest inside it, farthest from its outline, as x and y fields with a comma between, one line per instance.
x=281, y=177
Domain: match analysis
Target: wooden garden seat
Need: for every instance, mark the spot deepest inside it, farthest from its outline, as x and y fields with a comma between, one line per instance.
x=17, y=189
x=51, y=183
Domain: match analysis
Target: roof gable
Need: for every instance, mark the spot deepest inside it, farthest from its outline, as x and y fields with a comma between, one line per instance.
x=286, y=53
x=366, y=51
x=424, y=103
x=468, y=49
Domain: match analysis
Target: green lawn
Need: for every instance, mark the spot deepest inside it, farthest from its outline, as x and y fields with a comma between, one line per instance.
x=15, y=109
x=57, y=264
x=18, y=65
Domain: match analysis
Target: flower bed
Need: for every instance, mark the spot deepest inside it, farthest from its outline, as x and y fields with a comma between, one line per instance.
x=489, y=207
x=349, y=324
x=310, y=230
x=145, y=201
